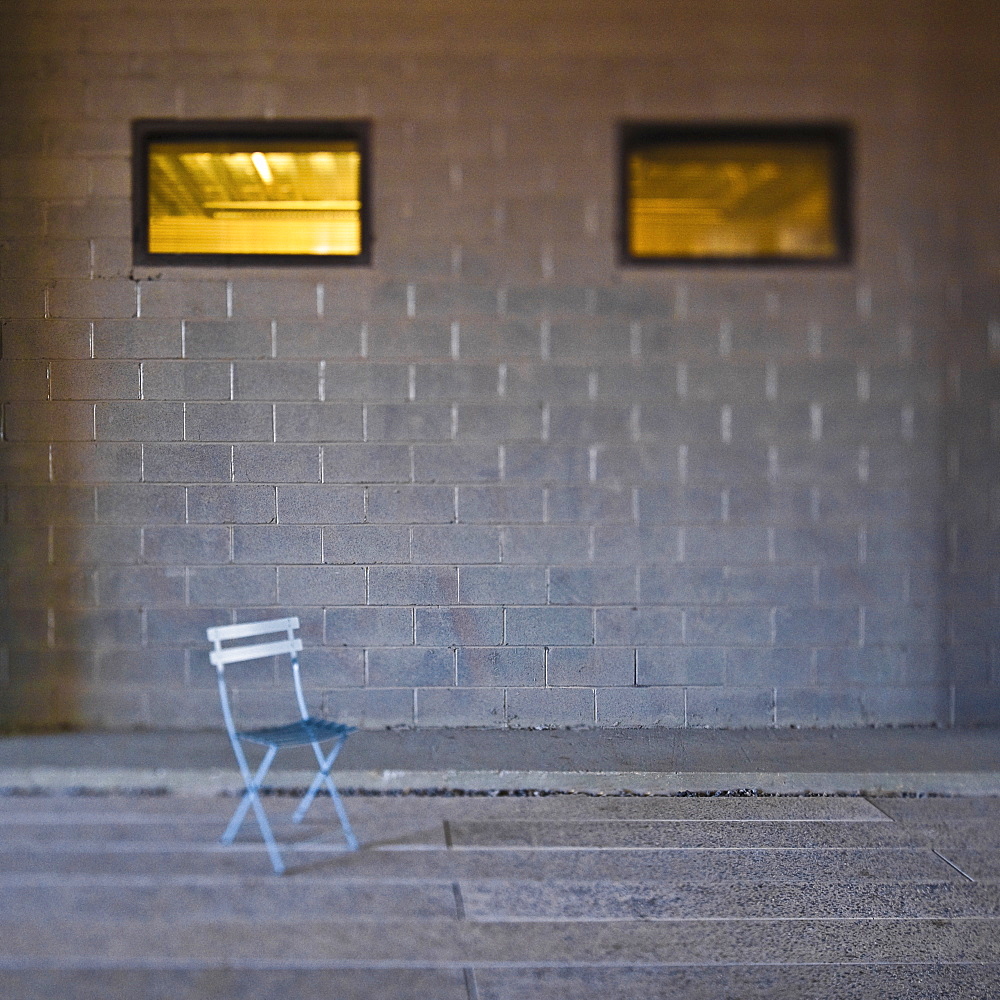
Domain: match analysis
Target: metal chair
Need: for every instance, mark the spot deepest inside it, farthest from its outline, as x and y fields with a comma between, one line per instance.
x=307, y=730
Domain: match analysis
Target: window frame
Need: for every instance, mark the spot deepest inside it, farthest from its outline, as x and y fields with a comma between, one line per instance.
x=838, y=136
x=148, y=130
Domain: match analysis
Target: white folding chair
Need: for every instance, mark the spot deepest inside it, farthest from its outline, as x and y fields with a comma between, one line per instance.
x=307, y=730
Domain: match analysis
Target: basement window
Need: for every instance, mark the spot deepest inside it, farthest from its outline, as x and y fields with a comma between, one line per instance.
x=735, y=194
x=250, y=192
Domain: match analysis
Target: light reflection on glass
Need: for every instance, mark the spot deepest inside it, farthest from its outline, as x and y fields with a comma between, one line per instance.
x=720, y=199
x=221, y=197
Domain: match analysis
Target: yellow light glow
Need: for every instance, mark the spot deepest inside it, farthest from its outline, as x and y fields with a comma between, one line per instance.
x=731, y=199
x=215, y=197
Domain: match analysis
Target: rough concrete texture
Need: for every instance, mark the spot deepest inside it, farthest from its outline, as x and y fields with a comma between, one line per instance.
x=106, y=895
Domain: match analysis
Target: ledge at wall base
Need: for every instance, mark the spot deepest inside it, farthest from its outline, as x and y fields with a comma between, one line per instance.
x=218, y=781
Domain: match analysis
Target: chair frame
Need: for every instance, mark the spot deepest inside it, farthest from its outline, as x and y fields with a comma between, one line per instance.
x=308, y=730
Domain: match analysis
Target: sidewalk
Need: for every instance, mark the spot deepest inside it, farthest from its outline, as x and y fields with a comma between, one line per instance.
x=650, y=761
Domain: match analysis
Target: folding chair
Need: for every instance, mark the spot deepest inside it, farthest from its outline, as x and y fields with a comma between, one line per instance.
x=308, y=730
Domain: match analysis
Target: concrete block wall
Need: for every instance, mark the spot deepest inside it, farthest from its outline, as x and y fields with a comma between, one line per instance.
x=502, y=479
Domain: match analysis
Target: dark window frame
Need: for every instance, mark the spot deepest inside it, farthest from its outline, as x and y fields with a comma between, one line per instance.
x=148, y=130
x=838, y=136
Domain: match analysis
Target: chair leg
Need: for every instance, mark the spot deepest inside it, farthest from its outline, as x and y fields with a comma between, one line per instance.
x=251, y=798
x=323, y=775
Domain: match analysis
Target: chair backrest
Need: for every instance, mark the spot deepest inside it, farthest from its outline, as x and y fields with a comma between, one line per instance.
x=221, y=655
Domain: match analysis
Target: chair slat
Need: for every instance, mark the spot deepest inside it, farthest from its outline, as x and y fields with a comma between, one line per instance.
x=220, y=633
x=237, y=654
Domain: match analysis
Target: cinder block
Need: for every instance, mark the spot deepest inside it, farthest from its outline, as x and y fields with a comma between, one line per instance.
x=99, y=298
x=267, y=299
x=275, y=381
x=95, y=629
x=721, y=545
x=278, y=545
x=572, y=666
x=590, y=422
x=544, y=463
x=334, y=338
x=276, y=463
x=675, y=504
x=817, y=544
x=466, y=382
x=52, y=503
x=228, y=422
x=455, y=463
x=103, y=462
x=185, y=628
x=186, y=380
x=140, y=503
x=45, y=338
x=26, y=462
x=408, y=422
x=87, y=544
x=227, y=339
x=781, y=666
x=370, y=709
x=715, y=707
x=740, y=626
x=501, y=585
x=316, y=585
x=703, y=665
x=320, y=422
x=64, y=587
x=233, y=585
x=325, y=668
x=231, y=504
x=645, y=626
x=592, y=585
x=510, y=422
x=683, y=585
x=545, y=300
x=872, y=666
x=643, y=545
x=185, y=544
x=550, y=708
x=408, y=338
x=545, y=544
x=140, y=420
x=501, y=504
x=460, y=707
x=137, y=338
x=187, y=299
x=589, y=505
x=411, y=667
x=455, y=544
x=420, y=585
x=366, y=463
x=816, y=626
x=44, y=421
x=160, y=668
x=367, y=382
x=320, y=504
x=142, y=586
x=857, y=585
x=366, y=544
x=459, y=626
x=639, y=707
x=27, y=380
x=186, y=463
x=500, y=666
x=547, y=626
x=417, y=504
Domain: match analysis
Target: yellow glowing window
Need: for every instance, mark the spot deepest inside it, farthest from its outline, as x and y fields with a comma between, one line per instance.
x=250, y=193
x=726, y=194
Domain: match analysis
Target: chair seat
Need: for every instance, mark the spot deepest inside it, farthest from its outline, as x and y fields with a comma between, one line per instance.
x=297, y=734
